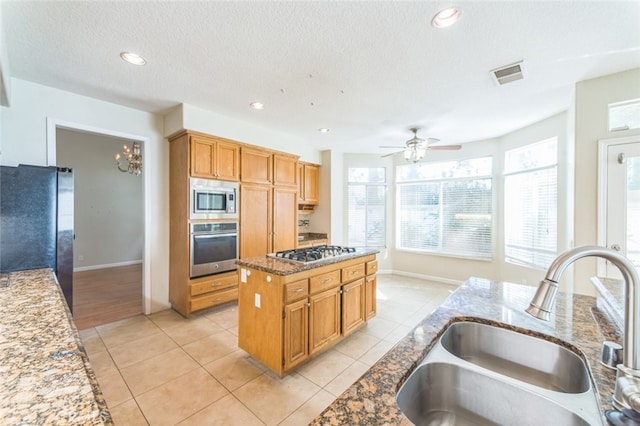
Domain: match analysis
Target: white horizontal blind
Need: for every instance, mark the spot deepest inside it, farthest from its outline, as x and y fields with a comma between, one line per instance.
x=531, y=204
x=446, y=208
x=367, y=207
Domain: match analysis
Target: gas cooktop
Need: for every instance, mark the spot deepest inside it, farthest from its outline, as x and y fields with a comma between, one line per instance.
x=312, y=254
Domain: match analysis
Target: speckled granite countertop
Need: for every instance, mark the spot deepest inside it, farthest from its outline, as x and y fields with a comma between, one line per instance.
x=45, y=375
x=284, y=267
x=371, y=400
x=611, y=299
x=311, y=236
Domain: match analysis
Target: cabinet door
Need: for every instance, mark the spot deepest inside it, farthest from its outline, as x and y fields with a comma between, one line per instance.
x=285, y=170
x=300, y=183
x=227, y=161
x=324, y=319
x=311, y=183
x=370, y=288
x=255, y=220
x=202, y=158
x=296, y=335
x=353, y=306
x=255, y=166
x=285, y=218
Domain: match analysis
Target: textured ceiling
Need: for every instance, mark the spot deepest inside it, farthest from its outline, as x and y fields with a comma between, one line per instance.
x=367, y=70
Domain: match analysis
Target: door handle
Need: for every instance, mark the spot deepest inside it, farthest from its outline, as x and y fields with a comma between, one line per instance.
x=615, y=247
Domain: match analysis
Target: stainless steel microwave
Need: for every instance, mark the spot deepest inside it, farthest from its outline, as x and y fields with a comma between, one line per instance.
x=213, y=199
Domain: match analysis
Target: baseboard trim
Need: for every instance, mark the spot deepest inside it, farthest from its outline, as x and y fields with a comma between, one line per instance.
x=108, y=265
x=422, y=277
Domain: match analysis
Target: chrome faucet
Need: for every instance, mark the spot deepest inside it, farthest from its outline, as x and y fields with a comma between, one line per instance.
x=627, y=390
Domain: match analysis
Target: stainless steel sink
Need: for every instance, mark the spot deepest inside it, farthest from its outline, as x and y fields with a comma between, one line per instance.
x=448, y=394
x=520, y=356
x=479, y=374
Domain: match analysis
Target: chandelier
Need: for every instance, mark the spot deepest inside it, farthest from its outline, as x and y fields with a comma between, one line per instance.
x=133, y=158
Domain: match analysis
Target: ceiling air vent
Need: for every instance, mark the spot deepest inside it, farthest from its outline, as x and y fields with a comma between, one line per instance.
x=508, y=73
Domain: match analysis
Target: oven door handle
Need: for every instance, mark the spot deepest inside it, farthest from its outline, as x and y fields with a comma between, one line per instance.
x=214, y=235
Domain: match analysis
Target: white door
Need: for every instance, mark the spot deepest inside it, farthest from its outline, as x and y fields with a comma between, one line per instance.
x=622, y=202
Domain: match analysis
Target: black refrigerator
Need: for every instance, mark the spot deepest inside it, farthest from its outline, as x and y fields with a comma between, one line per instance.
x=36, y=222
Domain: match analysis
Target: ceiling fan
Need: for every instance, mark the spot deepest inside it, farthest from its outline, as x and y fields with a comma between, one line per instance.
x=416, y=147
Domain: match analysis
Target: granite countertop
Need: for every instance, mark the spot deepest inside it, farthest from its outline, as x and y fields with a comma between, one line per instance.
x=577, y=321
x=611, y=298
x=45, y=375
x=285, y=267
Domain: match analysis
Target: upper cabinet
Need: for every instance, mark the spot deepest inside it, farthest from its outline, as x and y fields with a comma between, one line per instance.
x=214, y=158
x=308, y=183
x=268, y=168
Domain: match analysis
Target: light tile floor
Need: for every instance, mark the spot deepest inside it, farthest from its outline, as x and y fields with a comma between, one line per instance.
x=163, y=369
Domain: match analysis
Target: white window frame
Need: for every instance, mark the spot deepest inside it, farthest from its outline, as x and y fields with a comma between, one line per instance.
x=367, y=185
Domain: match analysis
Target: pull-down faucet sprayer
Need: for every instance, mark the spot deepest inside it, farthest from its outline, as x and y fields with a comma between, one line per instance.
x=627, y=390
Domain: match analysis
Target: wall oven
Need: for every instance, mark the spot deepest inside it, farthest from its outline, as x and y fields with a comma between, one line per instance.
x=214, y=248
x=213, y=199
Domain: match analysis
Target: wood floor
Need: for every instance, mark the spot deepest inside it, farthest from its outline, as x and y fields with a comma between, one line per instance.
x=101, y=296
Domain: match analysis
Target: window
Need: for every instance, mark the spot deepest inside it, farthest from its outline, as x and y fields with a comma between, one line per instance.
x=367, y=199
x=531, y=204
x=624, y=115
x=446, y=207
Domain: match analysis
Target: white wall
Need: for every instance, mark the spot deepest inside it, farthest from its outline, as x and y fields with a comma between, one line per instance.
x=591, y=124
x=108, y=204
x=24, y=140
x=192, y=118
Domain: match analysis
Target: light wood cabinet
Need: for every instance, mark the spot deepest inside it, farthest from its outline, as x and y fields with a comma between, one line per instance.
x=353, y=306
x=208, y=157
x=256, y=166
x=370, y=288
x=285, y=320
x=214, y=158
x=312, y=243
x=308, y=183
x=285, y=170
x=324, y=319
x=268, y=219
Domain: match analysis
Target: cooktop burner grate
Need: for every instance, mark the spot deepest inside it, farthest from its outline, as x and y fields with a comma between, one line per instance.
x=311, y=254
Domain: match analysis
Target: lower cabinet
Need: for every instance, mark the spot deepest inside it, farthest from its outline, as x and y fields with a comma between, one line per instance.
x=324, y=319
x=212, y=290
x=284, y=320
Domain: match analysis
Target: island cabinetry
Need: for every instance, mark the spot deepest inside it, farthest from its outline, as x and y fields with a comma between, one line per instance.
x=214, y=158
x=285, y=320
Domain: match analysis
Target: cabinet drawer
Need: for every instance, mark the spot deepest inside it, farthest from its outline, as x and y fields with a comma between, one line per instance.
x=213, y=284
x=296, y=290
x=324, y=281
x=353, y=272
x=372, y=267
x=213, y=299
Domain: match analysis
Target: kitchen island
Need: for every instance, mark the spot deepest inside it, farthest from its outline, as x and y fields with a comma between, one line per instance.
x=291, y=311
x=577, y=321
x=45, y=374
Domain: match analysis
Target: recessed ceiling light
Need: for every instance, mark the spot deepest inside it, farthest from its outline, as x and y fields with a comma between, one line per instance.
x=446, y=17
x=133, y=58
x=256, y=105
x=323, y=130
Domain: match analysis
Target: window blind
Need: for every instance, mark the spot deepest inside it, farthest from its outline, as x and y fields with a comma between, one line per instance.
x=366, y=207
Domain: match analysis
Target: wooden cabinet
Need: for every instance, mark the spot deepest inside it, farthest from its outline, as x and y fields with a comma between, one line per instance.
x=268, y=219
x=370, y=288
x=308, y=183
x=312, y=243
x=353, y=306
x=268, y=168
x=324, y=319
x=214, y=158
x=286, y=319
x=285, y=170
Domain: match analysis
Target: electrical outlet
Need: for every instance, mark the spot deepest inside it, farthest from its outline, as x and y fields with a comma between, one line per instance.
x=80, y=257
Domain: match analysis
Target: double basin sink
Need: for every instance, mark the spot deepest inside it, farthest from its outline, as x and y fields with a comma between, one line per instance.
x=480, y=374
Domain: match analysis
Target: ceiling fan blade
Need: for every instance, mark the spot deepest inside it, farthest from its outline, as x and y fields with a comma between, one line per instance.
x=445, y=147
x=432, y=140
x=388, y=146
x=389, y=155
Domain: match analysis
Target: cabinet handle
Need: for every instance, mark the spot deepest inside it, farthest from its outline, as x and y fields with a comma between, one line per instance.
x=308, y=304
x=298, y=290
x=354, y=272
x=327, y=280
